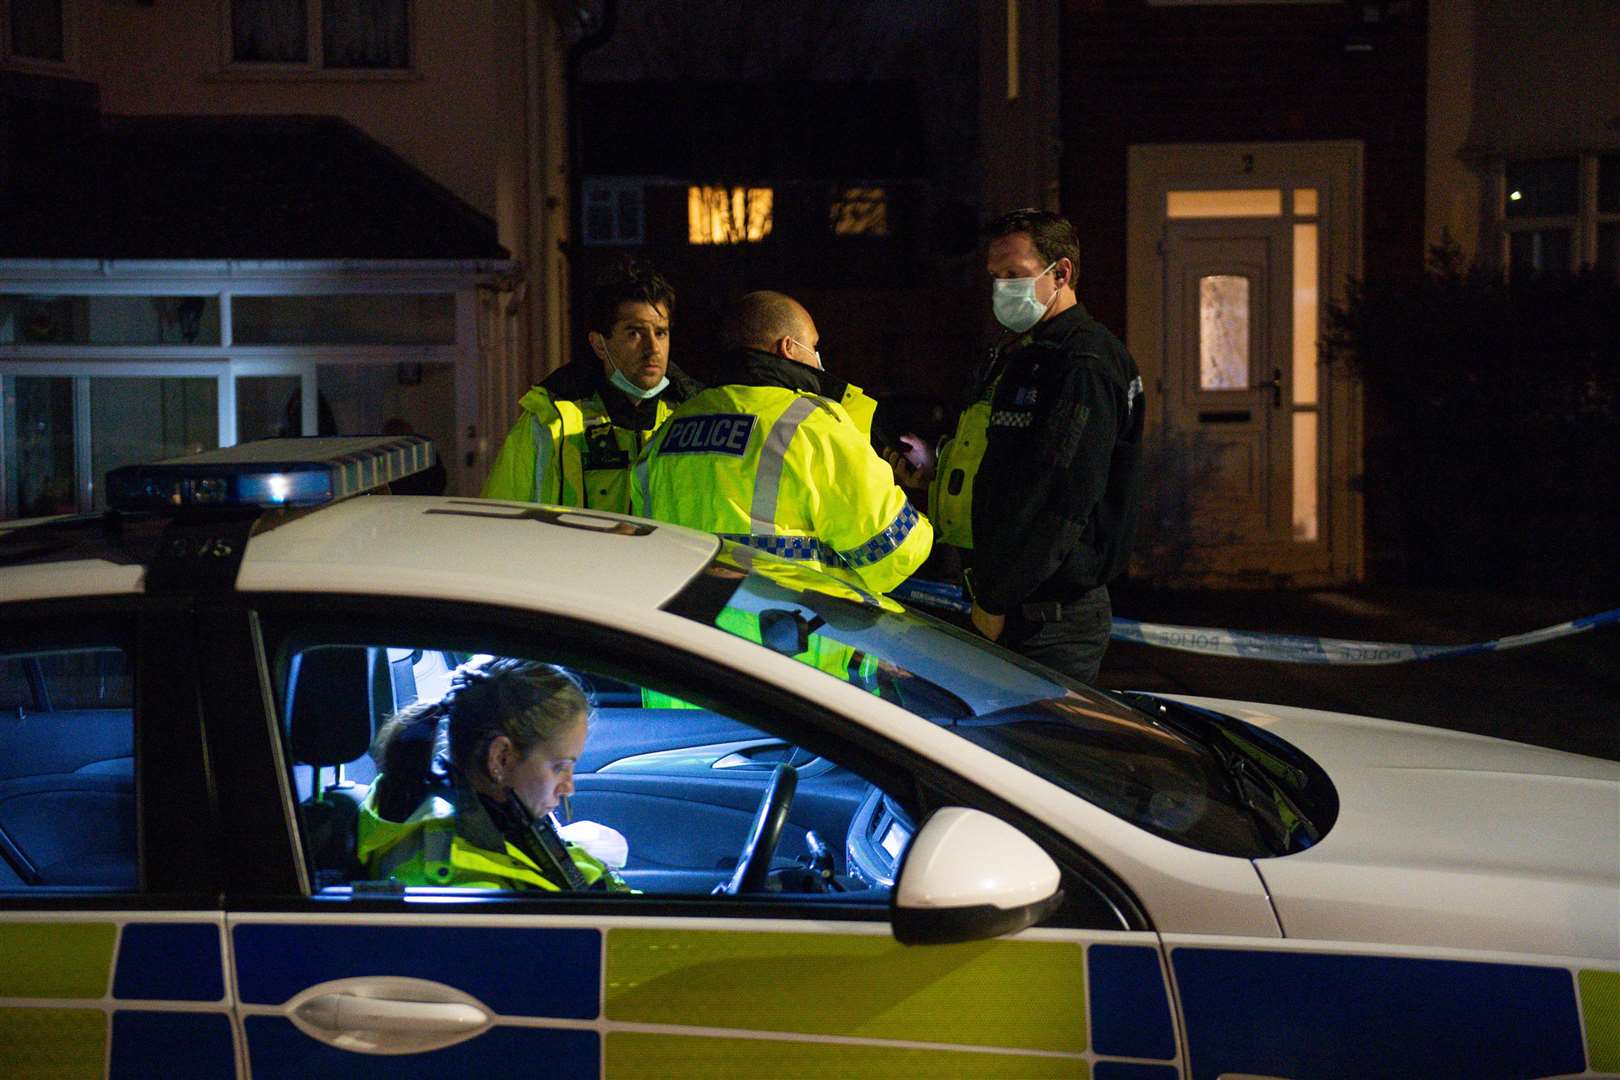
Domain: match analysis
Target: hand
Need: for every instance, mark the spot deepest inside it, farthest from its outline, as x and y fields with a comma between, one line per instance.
x=987, y=624
x=914, y=466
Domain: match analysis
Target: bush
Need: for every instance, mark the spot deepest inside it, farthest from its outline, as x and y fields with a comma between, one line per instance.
x=1493, y=434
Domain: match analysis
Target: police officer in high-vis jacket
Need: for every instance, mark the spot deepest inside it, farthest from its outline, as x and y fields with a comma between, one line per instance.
x=766, y=460
x=581, y=430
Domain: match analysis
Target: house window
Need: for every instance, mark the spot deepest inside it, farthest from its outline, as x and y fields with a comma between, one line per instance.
x=860, y=211
x=728, y=215
x=1561, y=214
x=615, y=212
x=326, y=35
x=65, y=319
x=92, y=378
x=34, y=30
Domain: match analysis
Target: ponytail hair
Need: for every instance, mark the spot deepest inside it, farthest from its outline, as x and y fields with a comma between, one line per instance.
x=404, y=751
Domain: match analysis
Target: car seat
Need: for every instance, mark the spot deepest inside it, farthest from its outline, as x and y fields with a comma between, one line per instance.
x=335, y=695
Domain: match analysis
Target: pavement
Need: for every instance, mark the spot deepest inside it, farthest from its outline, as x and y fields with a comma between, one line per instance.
x=1563, y=694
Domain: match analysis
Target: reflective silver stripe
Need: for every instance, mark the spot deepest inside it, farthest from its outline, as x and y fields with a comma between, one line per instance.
x=768, y=474
x=401, y=853
x=642, y=467
x=542, y=456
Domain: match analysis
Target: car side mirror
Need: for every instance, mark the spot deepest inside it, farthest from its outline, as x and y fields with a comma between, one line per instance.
x=968, y=876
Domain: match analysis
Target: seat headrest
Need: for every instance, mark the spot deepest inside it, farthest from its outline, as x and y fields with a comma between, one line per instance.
x=330, y=710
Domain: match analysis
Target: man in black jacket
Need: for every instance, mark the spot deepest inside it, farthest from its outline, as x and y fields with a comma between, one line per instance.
x=1050, y=508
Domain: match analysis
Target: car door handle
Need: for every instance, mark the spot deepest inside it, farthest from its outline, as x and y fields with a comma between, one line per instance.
x=351, y=1012
x=388, y=1014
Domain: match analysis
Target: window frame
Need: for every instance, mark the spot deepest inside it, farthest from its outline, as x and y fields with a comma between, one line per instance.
x=612, y=189
x=1583, y=225
x=70, y=43
x=921, y=784
x=315, y=67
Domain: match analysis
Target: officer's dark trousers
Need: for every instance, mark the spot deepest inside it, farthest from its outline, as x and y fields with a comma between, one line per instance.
x=1073, y=643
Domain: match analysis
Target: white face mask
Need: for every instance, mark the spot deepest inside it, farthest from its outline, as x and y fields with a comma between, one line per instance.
x=1014, y=303
x=634, y=392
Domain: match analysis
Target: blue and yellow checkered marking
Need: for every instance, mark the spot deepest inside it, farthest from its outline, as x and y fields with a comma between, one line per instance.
x=1255, y=1011
x=787, y=547
x=169, y=962
x=1130, y=1011
x=885, y=542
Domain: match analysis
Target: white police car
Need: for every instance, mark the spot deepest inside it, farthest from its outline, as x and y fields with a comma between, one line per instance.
x=1126, y=889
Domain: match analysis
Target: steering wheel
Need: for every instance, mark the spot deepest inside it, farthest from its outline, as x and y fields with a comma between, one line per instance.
x=755, y=861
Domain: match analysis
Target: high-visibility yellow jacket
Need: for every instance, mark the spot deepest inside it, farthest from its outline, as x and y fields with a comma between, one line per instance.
x=861, y=408
x=785, y=471
x=428, y=849
x=950, y=494
x=567, y=452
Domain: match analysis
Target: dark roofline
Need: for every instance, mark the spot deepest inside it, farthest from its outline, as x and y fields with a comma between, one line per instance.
x=254, y=187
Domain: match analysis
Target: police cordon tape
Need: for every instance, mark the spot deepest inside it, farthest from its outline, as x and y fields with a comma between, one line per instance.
x=1287, y=648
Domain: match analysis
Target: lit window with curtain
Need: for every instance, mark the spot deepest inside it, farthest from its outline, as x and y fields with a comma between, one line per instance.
x=860, y=211
x=728, y=215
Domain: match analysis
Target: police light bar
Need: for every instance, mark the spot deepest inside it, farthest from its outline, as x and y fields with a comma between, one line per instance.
x=271, y=473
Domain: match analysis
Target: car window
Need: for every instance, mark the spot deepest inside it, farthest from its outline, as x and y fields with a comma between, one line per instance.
x=662, y=797
x=67, y=791
x=1187, y=782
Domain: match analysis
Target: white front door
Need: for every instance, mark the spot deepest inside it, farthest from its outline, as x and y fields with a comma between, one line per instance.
x=1235, y=253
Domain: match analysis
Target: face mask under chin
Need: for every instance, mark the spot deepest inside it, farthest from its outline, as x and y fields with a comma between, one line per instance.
x=634, y=392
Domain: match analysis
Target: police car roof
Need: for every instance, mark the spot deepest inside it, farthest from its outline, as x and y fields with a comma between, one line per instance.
x=288, y=515
x=467, y=549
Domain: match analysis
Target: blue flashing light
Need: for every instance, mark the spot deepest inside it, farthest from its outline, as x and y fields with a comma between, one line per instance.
x=271, y=473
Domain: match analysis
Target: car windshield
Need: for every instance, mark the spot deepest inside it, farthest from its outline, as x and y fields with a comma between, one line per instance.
x=1170, y=778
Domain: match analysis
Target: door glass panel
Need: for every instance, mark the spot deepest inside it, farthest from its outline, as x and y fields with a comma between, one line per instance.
x=1223, y=332
x=1306, y=313
x=1259, y=202
x=267, y=406
x=1305, y=487
x=1305, y=202
x=381, y=319
x=109, y=320
x=148, y=419
x=39, y=454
